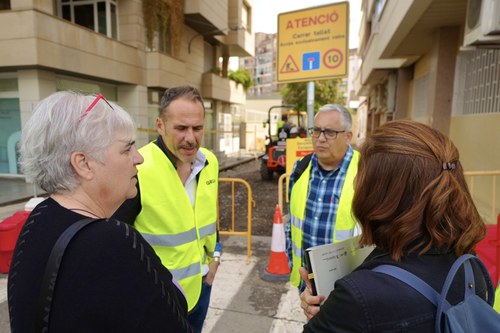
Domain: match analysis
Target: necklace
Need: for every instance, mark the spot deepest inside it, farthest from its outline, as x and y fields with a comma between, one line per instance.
x=84, y=210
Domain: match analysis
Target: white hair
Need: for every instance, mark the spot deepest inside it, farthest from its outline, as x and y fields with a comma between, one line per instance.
x=345, y=115
x=57, y=128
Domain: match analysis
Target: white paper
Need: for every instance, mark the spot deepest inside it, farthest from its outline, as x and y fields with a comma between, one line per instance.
x=331, y=262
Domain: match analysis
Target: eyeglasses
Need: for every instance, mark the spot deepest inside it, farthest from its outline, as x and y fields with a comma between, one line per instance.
x=330, y=134
x=91, y=106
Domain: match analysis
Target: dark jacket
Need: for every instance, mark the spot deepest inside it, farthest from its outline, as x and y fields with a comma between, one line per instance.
x=110, y=279
x=365, y=301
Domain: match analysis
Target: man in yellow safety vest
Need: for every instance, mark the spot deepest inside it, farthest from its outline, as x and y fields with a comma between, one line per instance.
x=176, y=206
x=321, y=189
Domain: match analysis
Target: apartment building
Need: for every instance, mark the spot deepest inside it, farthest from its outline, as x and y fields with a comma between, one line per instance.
x=129, y=50
x=263, y=66
x=437, y=62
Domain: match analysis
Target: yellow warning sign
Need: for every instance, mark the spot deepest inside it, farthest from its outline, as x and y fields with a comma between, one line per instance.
x=313, y=43
x=289, y=66
x=295, y=149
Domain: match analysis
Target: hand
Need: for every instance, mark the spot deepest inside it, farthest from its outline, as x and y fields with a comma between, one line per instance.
x=212, y=269
x=309, y=303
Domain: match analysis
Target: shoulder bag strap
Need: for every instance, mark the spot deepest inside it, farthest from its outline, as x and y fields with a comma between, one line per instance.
x=301, y=167
x=469, y=276
x=51, y=271
x=469, y=283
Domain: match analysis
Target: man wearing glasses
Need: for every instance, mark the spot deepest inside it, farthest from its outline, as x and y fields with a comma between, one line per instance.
x=321, y=189
x=176, y=206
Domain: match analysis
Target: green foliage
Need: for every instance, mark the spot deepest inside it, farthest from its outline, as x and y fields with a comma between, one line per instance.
x=165, y=17
x=215, y=70
x=325, y=92
x=242, y=77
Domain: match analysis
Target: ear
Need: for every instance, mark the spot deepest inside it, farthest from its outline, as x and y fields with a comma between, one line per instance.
x=348, y=137
x=160, y=126
x=80, y=163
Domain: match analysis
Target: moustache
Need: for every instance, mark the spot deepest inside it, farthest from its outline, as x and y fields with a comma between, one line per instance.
x=188, y=146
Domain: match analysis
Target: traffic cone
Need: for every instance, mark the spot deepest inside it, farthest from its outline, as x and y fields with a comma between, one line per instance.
x=277, y=268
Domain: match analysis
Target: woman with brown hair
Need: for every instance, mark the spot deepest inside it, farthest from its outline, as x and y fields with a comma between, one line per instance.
x=413, y=204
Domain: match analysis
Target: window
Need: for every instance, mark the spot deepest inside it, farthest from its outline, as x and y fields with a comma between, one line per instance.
x=477, y=84
x=98, y=15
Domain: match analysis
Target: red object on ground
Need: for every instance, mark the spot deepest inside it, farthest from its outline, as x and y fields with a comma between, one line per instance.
x=278, y=260
x=489, y=250
x=10, y=228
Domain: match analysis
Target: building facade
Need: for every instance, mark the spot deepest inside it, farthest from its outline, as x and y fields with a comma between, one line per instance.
x=129, y=50
x=263, y=66
x=436, y=62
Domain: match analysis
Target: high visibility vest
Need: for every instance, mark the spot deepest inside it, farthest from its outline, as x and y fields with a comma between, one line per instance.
x=496, y=306
x=180, y=235
x=345, y=223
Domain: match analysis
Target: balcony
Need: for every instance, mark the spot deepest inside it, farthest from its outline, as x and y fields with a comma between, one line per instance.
x=240, y=39
x=164, y=70
x=226, y=23
x=220, y=88
x=403, y=31
x=205, y=16
x=28, y=41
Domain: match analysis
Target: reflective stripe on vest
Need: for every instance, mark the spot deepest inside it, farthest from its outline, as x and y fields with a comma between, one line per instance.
x=345, y=223
x=179, y=234
x=496, y=305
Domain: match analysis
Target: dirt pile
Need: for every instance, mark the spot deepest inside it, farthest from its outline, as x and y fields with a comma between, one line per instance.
x=264, y=193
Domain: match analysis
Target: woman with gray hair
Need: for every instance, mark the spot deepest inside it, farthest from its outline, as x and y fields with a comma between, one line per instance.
x=74, y=269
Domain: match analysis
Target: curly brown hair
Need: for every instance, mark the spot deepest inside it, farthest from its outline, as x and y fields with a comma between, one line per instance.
x=411, y=193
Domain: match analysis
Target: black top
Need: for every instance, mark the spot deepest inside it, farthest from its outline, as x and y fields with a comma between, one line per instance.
x=366, y=301
x=110, y=279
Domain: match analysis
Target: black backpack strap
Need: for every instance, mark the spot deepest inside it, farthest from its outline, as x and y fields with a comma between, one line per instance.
x=301, y=166
x=51, y=271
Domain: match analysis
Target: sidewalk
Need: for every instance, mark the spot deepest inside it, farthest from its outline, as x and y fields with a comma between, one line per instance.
x=243, y=302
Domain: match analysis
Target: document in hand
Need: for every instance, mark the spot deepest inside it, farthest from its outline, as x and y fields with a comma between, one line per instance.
x=330, y=262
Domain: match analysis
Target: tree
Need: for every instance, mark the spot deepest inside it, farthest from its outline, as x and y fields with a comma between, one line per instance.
x=325, y=92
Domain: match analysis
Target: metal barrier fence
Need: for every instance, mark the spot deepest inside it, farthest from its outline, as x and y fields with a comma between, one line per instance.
x=233, y=227
x=480, y=199
x=283, y=181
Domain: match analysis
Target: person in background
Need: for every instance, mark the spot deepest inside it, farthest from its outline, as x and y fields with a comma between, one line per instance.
x=321, y=196
x=413, y=204
x=176, y=206
x=302, y=132
x=294, y=132
x=80, y=150
x=285, y=125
